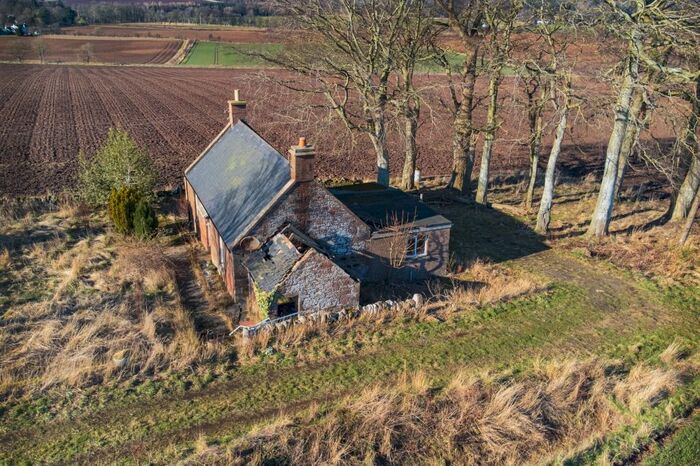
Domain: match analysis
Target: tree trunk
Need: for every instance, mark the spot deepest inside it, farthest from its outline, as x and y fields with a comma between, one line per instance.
x=544, y=214
x=691, y=182
x=409, y=166
x=535, y=122
x=463, y=128
x=490, y=134
x=600, y=222
x=690, y=219
x=378, y=137
x=631, y=136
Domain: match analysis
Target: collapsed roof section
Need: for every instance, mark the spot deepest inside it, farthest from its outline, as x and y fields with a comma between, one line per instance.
x=269, y=265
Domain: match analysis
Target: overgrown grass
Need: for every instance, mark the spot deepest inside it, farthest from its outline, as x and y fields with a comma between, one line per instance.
x=84, y=306
x=535, y=416
x=189, y=390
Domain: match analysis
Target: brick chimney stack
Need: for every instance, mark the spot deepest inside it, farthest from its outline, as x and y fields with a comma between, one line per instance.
x=301, y=161
x=236, y=109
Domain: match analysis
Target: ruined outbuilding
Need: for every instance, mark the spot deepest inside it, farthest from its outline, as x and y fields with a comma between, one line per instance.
x=284, y=243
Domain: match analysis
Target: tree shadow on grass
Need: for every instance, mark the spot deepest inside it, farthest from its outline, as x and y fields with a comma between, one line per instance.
x=484, y=233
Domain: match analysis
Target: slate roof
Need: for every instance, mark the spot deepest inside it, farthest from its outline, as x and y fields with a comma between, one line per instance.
x=236, y=179
x=379, y=206
x=270, y=264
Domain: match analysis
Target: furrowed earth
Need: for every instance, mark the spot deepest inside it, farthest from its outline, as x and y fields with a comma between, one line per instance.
x=52, y=112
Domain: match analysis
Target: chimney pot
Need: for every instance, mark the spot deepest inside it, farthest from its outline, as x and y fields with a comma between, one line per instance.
x=302, y=142
x=236, y=109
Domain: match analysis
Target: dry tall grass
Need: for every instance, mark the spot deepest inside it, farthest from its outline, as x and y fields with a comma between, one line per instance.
x=491, y=284
x=480, y=285
x=5, y=259
x=101, y=309
x=655, y=253
x=554, y=409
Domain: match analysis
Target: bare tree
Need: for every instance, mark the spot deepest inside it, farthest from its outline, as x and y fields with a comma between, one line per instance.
x=637, y=115
x=692, y=213
x=563, y=103
x=466, y=19
x=556, y=35
x=644, y=26
x=500, y=19
x=416, y=44
x=41, y=49
x=86, y=52
x=691, y=183
x=537, y=91
x=349, y=51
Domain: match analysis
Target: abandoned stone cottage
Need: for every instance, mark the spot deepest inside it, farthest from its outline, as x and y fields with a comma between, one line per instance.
x=284, y=243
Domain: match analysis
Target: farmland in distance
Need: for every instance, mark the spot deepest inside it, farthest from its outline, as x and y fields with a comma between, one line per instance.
x=52, y=112
x=241, y=55
x=237, y=34
x=72, y=49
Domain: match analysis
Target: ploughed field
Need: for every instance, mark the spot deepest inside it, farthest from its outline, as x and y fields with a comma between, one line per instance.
x=71, y=49
x=238, y=34
x=52, y=112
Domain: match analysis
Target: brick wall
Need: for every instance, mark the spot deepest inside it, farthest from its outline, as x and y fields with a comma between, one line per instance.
x=313, y=210
x=320, y=284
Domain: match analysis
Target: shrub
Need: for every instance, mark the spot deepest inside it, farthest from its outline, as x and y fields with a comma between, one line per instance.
x=264, y=300
x=145, y=220
x=119, y=162
x=121, y=207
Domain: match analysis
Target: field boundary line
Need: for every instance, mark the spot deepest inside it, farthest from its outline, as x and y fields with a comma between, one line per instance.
x=105, y=38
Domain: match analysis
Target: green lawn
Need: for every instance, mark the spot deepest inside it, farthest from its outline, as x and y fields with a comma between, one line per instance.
x=206, y=53
x=590, y=310
x=233, y=55
x=683, y=448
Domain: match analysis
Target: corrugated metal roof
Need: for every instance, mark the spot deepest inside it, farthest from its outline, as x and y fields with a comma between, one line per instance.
x=238, y=177
x=380, y=207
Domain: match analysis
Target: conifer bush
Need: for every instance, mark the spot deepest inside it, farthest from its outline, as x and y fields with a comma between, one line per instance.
x=119, y=162
x=121, y=208
x=145, y=220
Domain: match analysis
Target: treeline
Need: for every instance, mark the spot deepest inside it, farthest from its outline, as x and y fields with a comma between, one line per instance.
x=654, y=48
x=239, y=12
x=36, y=13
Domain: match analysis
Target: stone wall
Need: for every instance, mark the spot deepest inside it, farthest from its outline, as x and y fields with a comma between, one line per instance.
x=320, y=285
x=312, y=209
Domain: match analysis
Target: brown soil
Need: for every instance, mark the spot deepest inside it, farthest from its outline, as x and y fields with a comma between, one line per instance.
x=52, y=112
x=102, y=50
x=239, y=35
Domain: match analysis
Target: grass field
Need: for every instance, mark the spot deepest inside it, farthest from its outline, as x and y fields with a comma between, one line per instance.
x=62, y=271
x=682, y=449
x=206, y=53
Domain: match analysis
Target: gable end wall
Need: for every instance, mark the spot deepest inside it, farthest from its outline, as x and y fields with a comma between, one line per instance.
x=320, y=285
x=315, y=211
